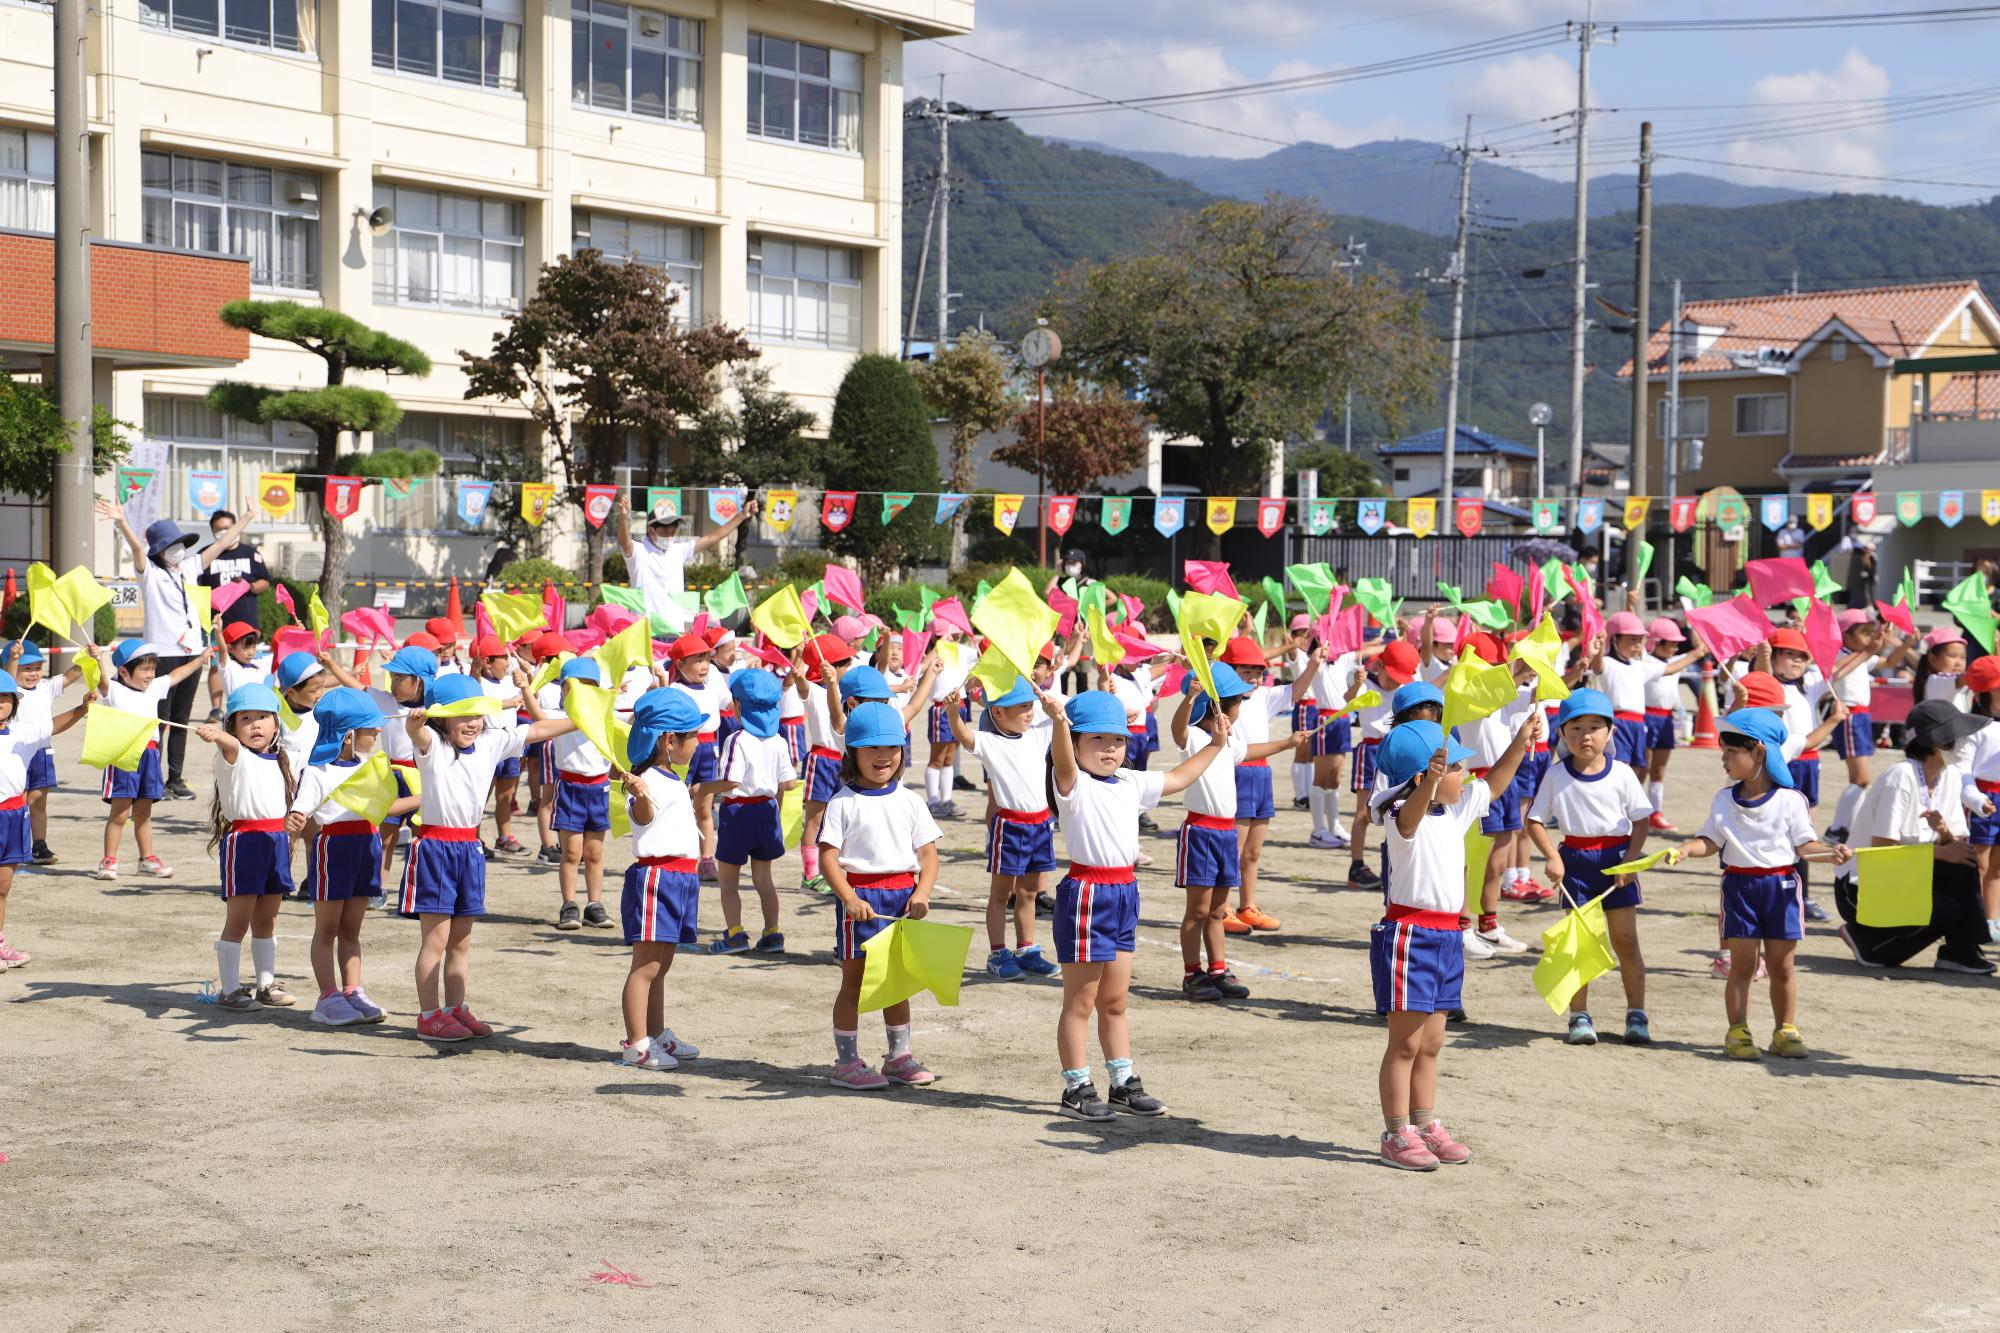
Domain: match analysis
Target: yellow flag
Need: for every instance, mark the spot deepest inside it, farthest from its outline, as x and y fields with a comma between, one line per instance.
x=113, y=738
x=995, y=671
x=1211, y=616
x=286, y=717
x=478, y=705
x=912, y=956
x=93, y=674
x=1635, y=511
x=513, y=614
x=1104, y=645
x=1895, y=887
x=1639, y=867
x=1423, y=517
x=317, y=615
x=594, y=709
x=82, y=596
x=1478, y=851
x=792, y=815
x=1475, y=689
x=1221, y=513
x=45, y=603
x=536, y=496
x=548, y=671
x=1989, y=507
x=1016, y=621
x=1574, y=954
x=370, y=789
x=204, y=608
x=1365, y=699
x=277, y=492
x=1819, y=511
x=782, y=618
x=621, y=818
x=629, y=647
x=1540, y=650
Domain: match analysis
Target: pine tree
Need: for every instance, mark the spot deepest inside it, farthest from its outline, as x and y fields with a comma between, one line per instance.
x=883, y=431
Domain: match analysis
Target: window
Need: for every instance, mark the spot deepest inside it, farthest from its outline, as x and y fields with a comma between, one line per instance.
x=449, y=250
x=806, y=294
x=466, y=446
x=268, y=216
x=464, y=41
x=281, y=25
x=1837, y=350
x=27, y=181
x=804, y=94
x=637, y=60
x=1694, y=418
x=201, y=439
x=1760, y=414
x=663, y=245
x=1965, y=325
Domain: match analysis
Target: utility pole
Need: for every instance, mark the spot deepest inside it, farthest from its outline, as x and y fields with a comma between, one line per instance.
x=1642, y=337
x=1672, y=461
x=944, y=224
x=71, y=510
x=1351, y=257
x=1446, y=489
x=923, y=258
x=1579, y=319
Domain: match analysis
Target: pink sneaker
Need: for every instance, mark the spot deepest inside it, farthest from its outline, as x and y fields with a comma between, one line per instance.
x=1443, y=1146
x=442, y=1026
x=154, y=866
x=856, y=1074
x=1405, y=1150
x=472, y=1025
x=905, y=1070
x=11, y=957
x=1719, y=968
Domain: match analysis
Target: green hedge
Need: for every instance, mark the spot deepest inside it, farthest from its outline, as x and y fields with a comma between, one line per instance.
x=104, y=629
x=1153, y=592
x=529, y=575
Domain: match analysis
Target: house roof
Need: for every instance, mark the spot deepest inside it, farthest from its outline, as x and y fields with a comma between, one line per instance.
x=1470, y=441
x=1491, y=506
x=1966, y=394
x=1895, y=321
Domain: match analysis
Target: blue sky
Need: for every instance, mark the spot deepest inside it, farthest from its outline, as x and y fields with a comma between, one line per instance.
x=1832, y=101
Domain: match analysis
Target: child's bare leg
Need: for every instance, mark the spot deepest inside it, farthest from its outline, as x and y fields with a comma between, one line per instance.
x=1194, y=927
x=114, y=826
x=38, y=815
x=237, y=915
x=435, y=929
x=1114, y=1038
x=142, y=827
x=847, y=1001
x=648, y=966
x=1399, y=1061
x=1424, y=1070
x=593, y=866
x=326, y=932
x=1357, y=834
x=1778, y=957
x=545, y=812
x=457, y=961
x=1500, y=857
x=1213, y=936
x=503, y=807
x=1024, y=910
x=6, y=887
x=354, y=912
x=1080, y=985
x=1736, y=988
x=763, y=877
x=1623, y=923
x=726, y=878
x=572, y=857
x=704, y=818
x=1250, y=852
x=998, y=896
x=656, y=998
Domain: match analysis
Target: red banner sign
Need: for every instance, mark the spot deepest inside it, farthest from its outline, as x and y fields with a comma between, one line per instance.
x=836, y=510
x=1062, y=513
x=597, y=503
x=1270, y=516
x=1469, y=516
x=1680, y=514
x=343, y=497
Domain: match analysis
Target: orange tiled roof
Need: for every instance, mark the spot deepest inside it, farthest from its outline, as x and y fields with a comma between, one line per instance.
x=1978, y=392
x=1895, y=320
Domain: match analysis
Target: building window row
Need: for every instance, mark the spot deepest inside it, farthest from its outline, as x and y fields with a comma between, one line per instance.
x=673, y=249
x=636, y=60
x=809, y=295
x=200, y=439
x=806, y=94
x=281, y=25
x=458, y=251
x=461, y=41
x=466, y=446
x=208, y=206
x=27, y=181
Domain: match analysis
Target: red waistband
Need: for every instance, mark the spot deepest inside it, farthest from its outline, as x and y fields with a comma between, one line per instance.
x=1809, y=754
x=680, y=865
x=705, y=737
x=441, y=833
x=15, y=802
x=895, y=879
x=1541, y=747
x=256, y=826
x=1418, y=916
x=1986, y=786
x=1371, y=740
x=1630, y=717
x=1597, y=844
x=1856, y=708
x=582, y=779
x=347, y=828
x=1136, y=731
x=746, y=800
x=1255, y=763
x=1209, y=822
x=1103, y=874
x=821, y=752
x=1024, y=816
x=1758, y=870
x=404, y=763
x=1659, y=712
x=152, y=745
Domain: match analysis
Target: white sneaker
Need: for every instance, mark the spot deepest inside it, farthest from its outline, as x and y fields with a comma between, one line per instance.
x=1993, y=931
x=1500, y=940
x=1321, y=838
x=1474, y=946
x=675, y=1046
x=651, y=1057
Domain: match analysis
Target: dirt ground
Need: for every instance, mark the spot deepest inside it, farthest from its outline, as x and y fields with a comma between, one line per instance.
x=174, y=1166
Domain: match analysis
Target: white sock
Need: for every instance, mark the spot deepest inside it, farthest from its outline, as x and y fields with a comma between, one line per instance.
x=931, y=784
x=1656, y=792
x=264, y=953
x=1850, y=803
x=1331, y=795
x=1302, y=781
x=229, y=965
x=1316, y=800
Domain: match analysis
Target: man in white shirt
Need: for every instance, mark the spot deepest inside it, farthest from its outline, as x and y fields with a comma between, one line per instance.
x=657, y=563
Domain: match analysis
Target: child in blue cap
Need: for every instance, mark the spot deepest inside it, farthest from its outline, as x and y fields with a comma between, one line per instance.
x=253, y=792
x=582, y=816
x=21, y=739
x=406, y=673
x=39, y=693
x=1020, y=830
x=1417, y=950
x=753, y=773
x=1097, y=903
x=132, y=684
x=1762, y=828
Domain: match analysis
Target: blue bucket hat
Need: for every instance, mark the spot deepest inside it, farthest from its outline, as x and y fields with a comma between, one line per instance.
x=1228, y=685
x=164, y=532
x=128, y=649
x=421, y=663
x=1021, y=692
x=1410, y=696
x=756, y=694
x=296, y=669
x=1585, y=703
x=1766, y=726
x=252, y=698
x=656, y=713
x=582, y=668
x=8, y=685
x=1095, y=713
x=1406, y=751
x=874, y=724
x=337, y=712
x=863, y=682
x=451, y=689
x=31, y=653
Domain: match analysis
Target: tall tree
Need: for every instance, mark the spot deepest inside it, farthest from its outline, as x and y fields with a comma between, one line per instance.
x=596, y=356
x=33, y=435
x=758, y=440
x=343, y=344
x=881, y=425
x=1086, y=435
x=968, y=384
x=1236, y=327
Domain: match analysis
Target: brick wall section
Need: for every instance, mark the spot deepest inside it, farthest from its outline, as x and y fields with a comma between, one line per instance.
x=144, y=302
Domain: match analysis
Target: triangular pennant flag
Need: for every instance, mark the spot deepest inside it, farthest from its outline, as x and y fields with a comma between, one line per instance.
x=1574, y=954
x=781, y=618
x=513, y=614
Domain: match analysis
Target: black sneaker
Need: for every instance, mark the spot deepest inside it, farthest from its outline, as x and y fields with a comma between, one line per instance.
x=1199, y=986
x=1972, y=965
x=1301, y=803
x=595, y=915
x=570, y=917
x=1131, y=1099
x=485, y=850
x=43, y=856
x=178, y=790
x=962, y=784
x=1045, y=904
x=1361, y=877
x=1228, y=987
x=1456, y=1018
x=1146, y=824
x=549, y=856
x=1082, y=1103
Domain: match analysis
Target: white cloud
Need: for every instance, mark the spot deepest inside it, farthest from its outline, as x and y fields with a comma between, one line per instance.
x=1857, y=148
x=1522, y=87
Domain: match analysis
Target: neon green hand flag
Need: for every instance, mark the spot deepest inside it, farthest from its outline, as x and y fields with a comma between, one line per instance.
x=45, y=603
x=1474, y=689
x=621, y=816
x=612, y=594
x=1016, y=621
x=1700, y=594
x=1259, y=619
x=1574, y=954
x=1540, y=651
x=1895, y=885
x=1645, y=558
x=370, y=789
x=782, y=618
x=726, y=598
x=995, y=671
x=1379, y=597
x=82, y=596
x=1824, y=584
x=1365, y=699
x=318, y=618
x=548, y=671
x=479, y=705
x=594, y=709
x=1555, y=586
x=202, y=598
x=1314, y=583
x=1639, y=867
x=93, y=674
x=1105, y=649
x=1478, y=851
x=1274, y=593
x=1970, y=605
x=792, y=815
x=1211, y=616
x=912, y=956
x=512, y=613
x=629, y=647
x=113, y=738
x=1906, y=591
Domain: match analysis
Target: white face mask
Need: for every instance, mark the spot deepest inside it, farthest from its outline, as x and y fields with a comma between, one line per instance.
x=659, y=543
x=171, y=557
x=1072, y=569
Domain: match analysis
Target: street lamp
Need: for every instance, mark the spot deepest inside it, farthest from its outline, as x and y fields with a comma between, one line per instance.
x=1539, y=416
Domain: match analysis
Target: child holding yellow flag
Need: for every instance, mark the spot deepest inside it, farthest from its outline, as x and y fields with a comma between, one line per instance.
x=752, y=775
x=136, y=687
x=21, y=739
x=1020, y=829
x=816, y=668
x=582, y=816
x=406, y=673
x=36, y=708
x=253, y=791
x=694, y=675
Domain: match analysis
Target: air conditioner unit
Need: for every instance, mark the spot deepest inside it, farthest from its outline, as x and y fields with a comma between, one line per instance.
x=652, y=25
x=303, y=192
x=295, y=559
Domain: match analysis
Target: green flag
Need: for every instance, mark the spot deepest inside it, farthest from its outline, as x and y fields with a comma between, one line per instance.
x=613, y=595
x=1260, y=619
x=1971, y=606
x=1314, y=583
x=1823, y=582
x=1645, y=558
x=1555, y=587
x=1275, y=592
x=1378, y=597
x=727, y=597
x=1906, y=591
x=1698, y=593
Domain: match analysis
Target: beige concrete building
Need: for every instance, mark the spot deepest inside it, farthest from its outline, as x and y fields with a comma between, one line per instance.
x=413, y=162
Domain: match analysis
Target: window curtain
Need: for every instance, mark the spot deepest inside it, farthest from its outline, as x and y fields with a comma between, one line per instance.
x=308, y=22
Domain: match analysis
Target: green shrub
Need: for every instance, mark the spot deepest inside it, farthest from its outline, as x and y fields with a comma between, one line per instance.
x=1000, y=550
x=614, y=565
x=14, y=625
x=707, y=574
x=966, y=578
x=802, y=568
x=883, y=432
x=885, y=600
x=529, y=575
x=271, y=616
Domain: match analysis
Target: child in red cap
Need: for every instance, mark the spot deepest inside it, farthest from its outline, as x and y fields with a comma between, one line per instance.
x=695, y=676
x=1397, y=664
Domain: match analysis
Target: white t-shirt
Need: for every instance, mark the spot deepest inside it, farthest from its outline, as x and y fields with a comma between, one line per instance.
x=297, y=742
x=1015, y=767
x=1982, y=762
x=20, y=740
x=35, y=710
x=504, y=690
x=251, y=788
x=1135, y=693
x=1336, y=676
x=659, y=574
x=257, y=671
x=1100, y=816
x=791, y=708
x=1663, y=691
x=1939, y=685
x=1764, y=834
x=147, y=701
x=877, y=832
x=456, y=781
x=1259, y=707
x=673, y=831
x=1214, y=792
x=819, y=720
x=573, y=753
x=1427, y=871
x=170, y=615
x=711, y=697
x=1488, y=737
x=1856, y=689
x=1601, y=805
x=1433, y=670
x=314, y=797
x=758, y=765
x=1625, y=682
x=1372, y=723
x=396, y=742
x=1802, y=701
x=1897, y=799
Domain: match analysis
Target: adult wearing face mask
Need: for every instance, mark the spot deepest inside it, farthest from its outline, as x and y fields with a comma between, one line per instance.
x=238, y=561
x=658, y=563
x=1071, y=578
x=167, y=575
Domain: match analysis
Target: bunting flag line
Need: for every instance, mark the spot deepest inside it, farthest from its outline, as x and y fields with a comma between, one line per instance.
x=781, y=510
x=342, y=497
x=1422, y=517
x=1114, y=513
x=277, y=492
x=724, y=503
x=1221, y=513
x=1270, y=516
x=836, y=510
x=1007, y=512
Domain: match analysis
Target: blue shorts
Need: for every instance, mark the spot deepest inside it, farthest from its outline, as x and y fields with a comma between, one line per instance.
x=703, y=765
x=508, y=768
x=659, y=905
x=1305, y=716
x=1017, y=847
x=1584, y=877
x=1336, y=737
x=1253, y=792
x=1152, y=732
x=255, y=862
x=747, y=830
x=1659, y=729
x=1528, y=778
x=444, y=876
x=1206, y=858
x=17, y=840
x=849, y=935
x=794, y=734
x=1135, y=750
x=1363, y=778
x=1503, y=814
x=531, y=761
x=341, y=866
x=1629, y=740
x=1417, y=969
x=824, y=780
x=1985, y=829
x=42, y=770
x=726, y=725
x=1853, y=736
x=1805, y=776
x=938, y=731
x=1762, y=907
x=585, y=807
x=142, y=784
x=1095, y=922
x=401, y=775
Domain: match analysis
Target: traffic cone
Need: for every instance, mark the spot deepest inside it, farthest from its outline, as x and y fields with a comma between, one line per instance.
x=1705, y=735
x=13, y=591
x=453, y=611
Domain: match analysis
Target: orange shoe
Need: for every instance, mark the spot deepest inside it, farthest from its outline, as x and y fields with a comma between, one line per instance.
x=1235, y=925
x=1254, y=918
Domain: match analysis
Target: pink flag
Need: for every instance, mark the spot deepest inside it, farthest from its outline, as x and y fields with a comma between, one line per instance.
x=584, y=639
x=284, y=596
x=1065, y=606
x=608, y=619
x=1342, y=631
x=482, y=623
x=951, y=615
x=1506, y=586
x=1898, y=615
x=1135, y=610
x=1175, y=675
x=809, y=603
x=1730, y=628
x=1779, y=579
x=1822, y=636
x=1537, y=594
x=1593, y=619
x=843, y=585
x=700, y=624
x=292, y=639
x=370, y=624
x=915, y=643
x=1136, y=645
x=769, y=656
x=555, y=612
x=1210, y=576
x=221, y=599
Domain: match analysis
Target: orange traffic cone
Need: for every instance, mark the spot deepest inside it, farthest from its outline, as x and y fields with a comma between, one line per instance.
x=1705, y=735
x=452, y=608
